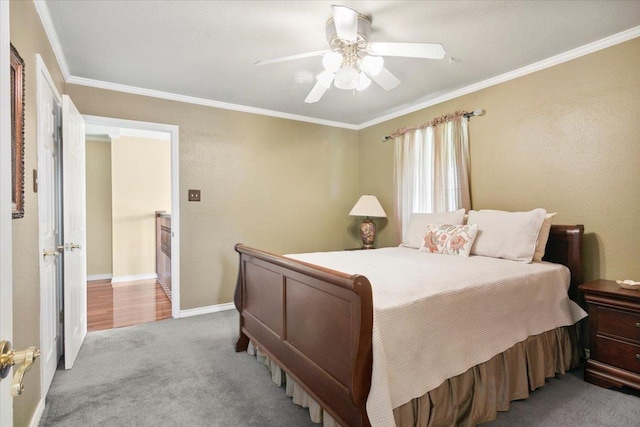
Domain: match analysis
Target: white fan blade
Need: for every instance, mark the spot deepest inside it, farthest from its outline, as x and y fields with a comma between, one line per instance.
x=385, y=79
x=291, y=57
x=346, y=22
x=316, y=93
x=411, y=50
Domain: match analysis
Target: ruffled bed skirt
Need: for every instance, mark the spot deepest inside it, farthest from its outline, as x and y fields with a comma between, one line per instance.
x=474, y=396
x=293, y=389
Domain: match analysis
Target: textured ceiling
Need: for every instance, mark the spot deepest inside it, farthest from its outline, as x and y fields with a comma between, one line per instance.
x=207, y=49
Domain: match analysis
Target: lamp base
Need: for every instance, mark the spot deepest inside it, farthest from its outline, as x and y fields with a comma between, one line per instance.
x=367, y=233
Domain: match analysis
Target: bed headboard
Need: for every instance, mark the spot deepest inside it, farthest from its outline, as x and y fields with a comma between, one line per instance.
x=565, y=247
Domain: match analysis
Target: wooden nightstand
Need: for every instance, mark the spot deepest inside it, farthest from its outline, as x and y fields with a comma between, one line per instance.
x=614, y=323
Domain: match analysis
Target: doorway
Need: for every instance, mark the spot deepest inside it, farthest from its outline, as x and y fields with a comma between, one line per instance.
x=127, y=279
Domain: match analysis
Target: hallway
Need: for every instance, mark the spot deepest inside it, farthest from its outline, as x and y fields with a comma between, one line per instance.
x=126, y=304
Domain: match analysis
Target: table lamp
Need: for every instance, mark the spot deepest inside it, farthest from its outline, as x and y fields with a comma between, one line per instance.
x=368, y=206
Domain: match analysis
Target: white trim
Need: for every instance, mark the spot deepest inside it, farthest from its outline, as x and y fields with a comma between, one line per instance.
x=54, y=41
x=6, y=238
x=93, y=277
x=532, y=68
x=109, y=122
x=98, y=138
x=175, y=223
x=143, y=133
x=37, y=414
x=132, y=278
x=107, y=133
x=202, y=101
x=43, y=79
x=175, y=192
x=208, y=309
x=540, y=65
x=52, y=35
x=614, y=39
x=42, y=68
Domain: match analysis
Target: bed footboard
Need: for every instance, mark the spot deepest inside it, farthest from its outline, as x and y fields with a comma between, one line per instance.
x=315, y=323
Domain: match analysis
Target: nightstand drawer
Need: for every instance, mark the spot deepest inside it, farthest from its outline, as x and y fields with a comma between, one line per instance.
x=618, y=353
x=619, y=323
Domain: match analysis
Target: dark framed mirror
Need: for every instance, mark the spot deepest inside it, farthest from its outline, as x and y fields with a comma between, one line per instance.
x=17, y=134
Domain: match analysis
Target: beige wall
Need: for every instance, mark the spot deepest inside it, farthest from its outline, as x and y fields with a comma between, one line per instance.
x=99, y=247
x=277, y=184
x=29, y=38
x=141, y=185
x=566, y=139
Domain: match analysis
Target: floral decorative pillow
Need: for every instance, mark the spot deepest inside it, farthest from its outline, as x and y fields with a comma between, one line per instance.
x=449, y=239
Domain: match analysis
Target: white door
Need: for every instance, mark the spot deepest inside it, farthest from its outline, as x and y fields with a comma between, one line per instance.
x=48, y=223
x=75, y=232
x=6, y=296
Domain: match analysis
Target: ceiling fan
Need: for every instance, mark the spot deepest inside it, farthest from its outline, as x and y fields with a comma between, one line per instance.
x=352, y=61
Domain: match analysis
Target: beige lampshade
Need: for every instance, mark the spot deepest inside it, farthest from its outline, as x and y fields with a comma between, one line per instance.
x=368, y=205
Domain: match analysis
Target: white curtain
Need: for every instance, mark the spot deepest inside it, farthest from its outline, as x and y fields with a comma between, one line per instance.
x=431, y=170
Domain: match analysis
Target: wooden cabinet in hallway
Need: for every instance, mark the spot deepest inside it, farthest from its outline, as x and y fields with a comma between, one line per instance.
x=163, y=251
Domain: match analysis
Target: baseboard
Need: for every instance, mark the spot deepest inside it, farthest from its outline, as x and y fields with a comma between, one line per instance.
x=209, y=309
x=120, y=279
x=99, y=277
x=37, y=414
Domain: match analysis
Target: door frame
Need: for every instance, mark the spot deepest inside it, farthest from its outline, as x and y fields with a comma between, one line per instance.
x=175, y=191
x=6, y=239
x=43, y=77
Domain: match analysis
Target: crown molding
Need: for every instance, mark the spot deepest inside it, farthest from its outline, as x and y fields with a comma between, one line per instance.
x=43, y=12
x=52, y=35
x=528, y=69
x=54, y=41
x=202, y=101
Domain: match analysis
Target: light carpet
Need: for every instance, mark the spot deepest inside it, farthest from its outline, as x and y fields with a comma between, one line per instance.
x=175, y=372
x=184, y=372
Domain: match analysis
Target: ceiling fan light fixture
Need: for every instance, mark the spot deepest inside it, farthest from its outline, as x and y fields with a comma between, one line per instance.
x=364, y=82
x=347, y=78
x=325, y=78
x=372, y=64
x=331, y=61
x=352, y=61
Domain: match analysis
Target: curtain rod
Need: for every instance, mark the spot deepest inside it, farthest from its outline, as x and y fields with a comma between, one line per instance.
x=474, y=113
x=465, y=115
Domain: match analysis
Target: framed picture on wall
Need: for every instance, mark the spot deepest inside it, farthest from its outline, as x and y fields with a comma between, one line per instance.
x=17, y=134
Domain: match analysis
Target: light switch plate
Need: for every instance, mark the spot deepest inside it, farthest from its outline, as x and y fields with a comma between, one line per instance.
x=194, y=195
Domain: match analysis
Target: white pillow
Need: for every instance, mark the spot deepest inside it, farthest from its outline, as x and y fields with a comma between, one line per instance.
x=543, y=237
x=508, y=235
x=418, y=223
x=449, y=239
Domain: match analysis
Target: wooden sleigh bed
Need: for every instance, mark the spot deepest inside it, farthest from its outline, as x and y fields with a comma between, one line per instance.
x=316, y=323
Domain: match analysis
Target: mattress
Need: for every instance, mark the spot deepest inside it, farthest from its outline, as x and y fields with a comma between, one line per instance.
x=435, y=316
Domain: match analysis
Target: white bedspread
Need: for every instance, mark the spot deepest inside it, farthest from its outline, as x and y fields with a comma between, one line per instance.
x=435, y=316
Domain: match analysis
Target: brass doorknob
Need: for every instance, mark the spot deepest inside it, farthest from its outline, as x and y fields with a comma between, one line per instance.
x=9, y=358
x=52, y=252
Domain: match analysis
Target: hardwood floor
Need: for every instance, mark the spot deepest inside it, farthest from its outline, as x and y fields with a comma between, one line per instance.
x=126, y=304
